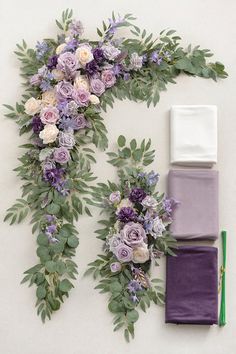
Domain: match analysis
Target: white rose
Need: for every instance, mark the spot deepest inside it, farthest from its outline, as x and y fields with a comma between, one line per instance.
x=32, y=106
x=141, y=254
x=58, y=75
x=49, y=98
x=49, y=133
x=84, y=54
x=81, y=82
x=60, y=48
x=125, y=203
x=94, y=99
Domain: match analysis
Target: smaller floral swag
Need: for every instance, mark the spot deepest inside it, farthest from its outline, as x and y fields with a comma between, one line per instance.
x=135, y=234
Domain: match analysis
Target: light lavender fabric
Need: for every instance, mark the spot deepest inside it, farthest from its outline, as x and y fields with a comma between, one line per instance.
x=196, y=215
x=191, y=286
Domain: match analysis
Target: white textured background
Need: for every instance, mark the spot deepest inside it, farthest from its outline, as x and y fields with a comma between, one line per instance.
x=83, y=325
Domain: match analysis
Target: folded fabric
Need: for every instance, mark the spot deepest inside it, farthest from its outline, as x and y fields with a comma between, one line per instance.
x=193, y=132
x=191, y=286
x=196, y=214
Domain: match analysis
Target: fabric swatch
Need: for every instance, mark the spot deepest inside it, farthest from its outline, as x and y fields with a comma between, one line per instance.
x=196, y=215
x=191, y=286
x=193, y=131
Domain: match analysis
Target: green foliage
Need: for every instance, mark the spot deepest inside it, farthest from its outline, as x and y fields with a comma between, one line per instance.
x=66, y=19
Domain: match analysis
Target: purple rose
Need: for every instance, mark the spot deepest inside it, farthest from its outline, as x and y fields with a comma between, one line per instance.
x=35, y=80
x=61, y=155
x=124, y=253
x=67, y=62
x=110, y=52
x=115, y=267
x=115, y=197
x=97, y=87
x=64, y=89
x=49, y=115
x=37, y=124
x=98, y=55
x=66, y=140
x=137, y=195
x=108, y=78
x=80, y=122
x=81, y=97
x=126, y=214
x=133, y=234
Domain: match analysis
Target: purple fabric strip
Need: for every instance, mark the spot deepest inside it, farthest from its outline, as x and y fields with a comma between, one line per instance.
x=191, y=286
x=196, y=216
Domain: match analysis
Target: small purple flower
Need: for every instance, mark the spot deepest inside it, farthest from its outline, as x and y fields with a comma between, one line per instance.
x=126, y=214
x=51, y=229
x=134, y=286
x=134, y=298
x=108, y=78
x=76, y=28
x=52, y=62
x=45, y=85
x=61, y=155
x=91, y=67
x=97, y=87
x=156, y=58
x=115, y=267
x=54, y=175
x=118, y=69
x=98, y=55
x=50, y=218
x=41, y=49
x=81, y=97
x=124, y=253
x=137, y=195
x=126, y=76
x=152, y=178
x=35, y=80
x=37, y=124
x=71, y=45
x=169, y=205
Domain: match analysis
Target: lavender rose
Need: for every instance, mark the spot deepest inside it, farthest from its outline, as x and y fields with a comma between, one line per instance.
x=66, y=140
x=49, y=115
x=149, y=202
x=61, y=155
x=80, y=122
x=97, y=87
x=124, y=253
x=81, y=97
x=67, y=62
x=64, y=89
x=108, y=78
x=110, y=52
x=115, y=267
x=114, y=242
x=133, y=234
x=115, y=197
x=137, y=195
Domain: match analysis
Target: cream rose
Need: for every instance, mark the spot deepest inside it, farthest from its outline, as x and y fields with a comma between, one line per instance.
x=49, y=133
x=84, y=54
x=60, y=48
x=94, y=99
x=58, y=75
x=141, y=254
x=32, y=106
x=49, y=98
x=81, y=82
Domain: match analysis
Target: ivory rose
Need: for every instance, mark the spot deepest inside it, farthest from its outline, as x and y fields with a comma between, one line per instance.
x=49, y=98
x=84, y=54
x=32, y=106
x=49, y=133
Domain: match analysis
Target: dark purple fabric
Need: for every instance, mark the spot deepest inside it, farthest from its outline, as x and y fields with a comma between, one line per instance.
x=196, y=215
x=191, y=286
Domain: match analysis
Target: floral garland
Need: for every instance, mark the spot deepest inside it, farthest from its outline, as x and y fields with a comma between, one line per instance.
x=135, y=234
x=68, y=82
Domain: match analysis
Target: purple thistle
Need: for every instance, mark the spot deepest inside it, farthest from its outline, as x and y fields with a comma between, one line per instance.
x=37, y=124
x=52, y=62
x=134, y=286
x=98, y=55
x=91, y=67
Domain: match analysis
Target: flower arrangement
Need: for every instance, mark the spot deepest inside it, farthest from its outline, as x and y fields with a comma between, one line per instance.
x=135, y=234
x=68, y=81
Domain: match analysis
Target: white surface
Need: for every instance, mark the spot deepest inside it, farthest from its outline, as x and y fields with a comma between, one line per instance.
x=84, y=326
x=193, y=134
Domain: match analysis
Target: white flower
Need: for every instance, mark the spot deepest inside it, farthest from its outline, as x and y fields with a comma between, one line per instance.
x=141, y=254
x=58, y=75
x=81, y=82
x=158, y=226
x=149, y=202
x=125, y=203
x=84, y=54
x=94, y=99
x=60, y=48
x=49, y=133
x=136, y=61
x=45, y=153
x=49, y=98
x=32, y=106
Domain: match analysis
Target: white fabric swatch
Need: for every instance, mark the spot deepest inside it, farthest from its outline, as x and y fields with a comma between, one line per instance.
x=193, y=130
